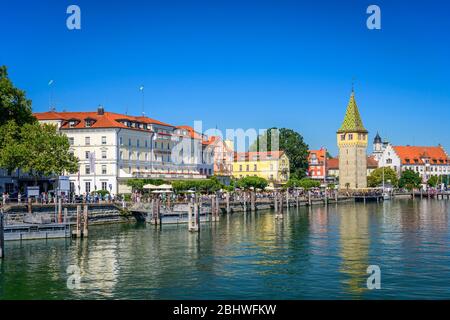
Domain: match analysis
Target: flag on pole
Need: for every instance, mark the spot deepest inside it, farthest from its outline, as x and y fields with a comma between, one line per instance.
x=50, y=82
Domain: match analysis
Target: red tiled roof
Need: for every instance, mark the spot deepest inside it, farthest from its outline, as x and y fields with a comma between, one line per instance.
x=372, y=163
x=106, y=120
x=333, y=163
x=320, y=155
x=248, y=156
x=415, y=155
x=192, y=133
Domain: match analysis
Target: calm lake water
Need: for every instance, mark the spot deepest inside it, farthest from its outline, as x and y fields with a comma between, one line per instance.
x=317, y=253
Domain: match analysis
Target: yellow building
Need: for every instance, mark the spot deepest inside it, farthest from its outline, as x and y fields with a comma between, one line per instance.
x=272, y=166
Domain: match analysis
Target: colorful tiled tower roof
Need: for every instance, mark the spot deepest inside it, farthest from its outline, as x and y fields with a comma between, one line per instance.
x=352, y=121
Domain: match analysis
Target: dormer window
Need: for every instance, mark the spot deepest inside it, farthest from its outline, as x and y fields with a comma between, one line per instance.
x=88, y=123
x=72, y=123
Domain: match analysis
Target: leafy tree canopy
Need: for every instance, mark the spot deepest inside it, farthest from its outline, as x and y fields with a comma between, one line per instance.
x=247, y=183
x=291, y=143
x=304, y=183
x=433, y=181
x=13, y=103
x=204, y=185
x=410, y=180
x=37, y=149
x=375, y=179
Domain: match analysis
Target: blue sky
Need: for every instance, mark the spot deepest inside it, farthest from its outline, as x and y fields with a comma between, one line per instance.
x=241, y=64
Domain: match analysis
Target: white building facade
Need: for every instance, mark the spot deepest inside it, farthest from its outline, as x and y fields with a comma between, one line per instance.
x=113, y=148
x=428, y=161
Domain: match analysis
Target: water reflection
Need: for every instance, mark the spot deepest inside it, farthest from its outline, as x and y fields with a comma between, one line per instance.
x=354, y=241
x=313, y=253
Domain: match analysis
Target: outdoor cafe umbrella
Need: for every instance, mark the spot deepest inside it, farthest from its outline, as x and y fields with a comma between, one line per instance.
x=150, y=186
x=164, y=187
x=162, y=191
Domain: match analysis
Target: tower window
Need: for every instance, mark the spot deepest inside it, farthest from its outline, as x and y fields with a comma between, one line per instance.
x=342, y=137
x=350, y=136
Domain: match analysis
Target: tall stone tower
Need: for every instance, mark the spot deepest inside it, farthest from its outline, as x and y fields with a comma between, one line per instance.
x=352, y=140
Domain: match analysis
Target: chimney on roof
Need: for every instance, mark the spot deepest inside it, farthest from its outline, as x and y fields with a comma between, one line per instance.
x=100, y=110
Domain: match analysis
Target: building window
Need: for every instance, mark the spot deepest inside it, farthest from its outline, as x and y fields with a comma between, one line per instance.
x=350, y=136
x=248, y=167
x=104, y=185
x=87, y=141
x=71, y=141
x=120, y=155
x=146, y=143
x=129, y=142
x=210, y=172
x=137, y=143
x=88, y=187
x=255, y=167
x=88, y=169
x=240, y=167
x=342, y=137
x=103, y=140
x=103, y=154
x=121, y=141
x=103, y=169
x=86, y=155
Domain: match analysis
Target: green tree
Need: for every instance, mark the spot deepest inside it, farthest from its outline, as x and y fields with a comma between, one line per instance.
x=305, y=183
x=249, y=182
x=375, y=179
x=13, y=103
x=46, y=151
x=205, y=185
x=12, y=151
x=291, y=143
x=433, y=181
x=410, y=180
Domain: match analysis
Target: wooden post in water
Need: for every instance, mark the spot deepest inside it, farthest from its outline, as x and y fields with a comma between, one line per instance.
x=253, y=200
x=245, y=201
x=228, y=202
x=86, y=222
x=275, y=202
x=30, y=206
x=325, y=199
x=189, y=215
x=309, y=198
x=217, y=208
x=279, y=214
x=194, y=226
x=2, y=236
x=296, y=199
x=287, y=198
x=78, y=226
x=336, y=196
x=213, y=208
x=59, y=210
